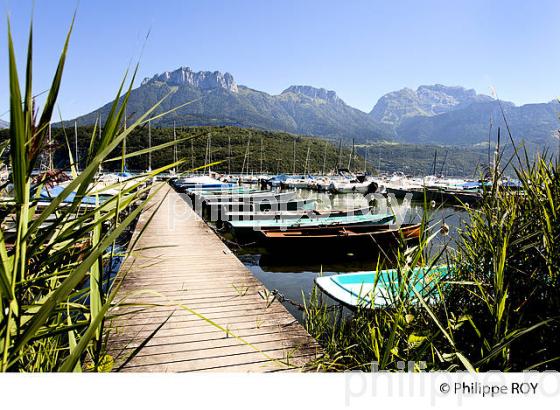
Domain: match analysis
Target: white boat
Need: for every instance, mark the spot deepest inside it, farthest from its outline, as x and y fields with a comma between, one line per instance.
x=299, y=182
x=248, y=179
x=232, y=179
x=351, y=186
x=320, y=183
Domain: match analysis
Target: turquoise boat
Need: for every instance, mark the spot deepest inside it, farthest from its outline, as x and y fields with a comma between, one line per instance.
x=378, y=289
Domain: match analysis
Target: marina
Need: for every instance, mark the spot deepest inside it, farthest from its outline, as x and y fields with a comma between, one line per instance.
x=194, y=224
x=340, y=234
x=330, y=197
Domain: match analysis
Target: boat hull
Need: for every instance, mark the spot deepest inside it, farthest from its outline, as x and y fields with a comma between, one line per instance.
x=217, y=211
x=360, y=239
x=290, y=215
x=377, y=289
x=400, y=193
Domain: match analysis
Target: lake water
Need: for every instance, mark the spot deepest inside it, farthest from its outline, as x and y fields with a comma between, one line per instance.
x=294, y=278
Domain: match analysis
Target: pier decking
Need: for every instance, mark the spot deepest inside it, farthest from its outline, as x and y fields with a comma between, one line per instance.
x=180, y=269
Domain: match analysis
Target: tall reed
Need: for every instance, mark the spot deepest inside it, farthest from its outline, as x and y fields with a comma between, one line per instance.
x=499, y=308
x=53, y=294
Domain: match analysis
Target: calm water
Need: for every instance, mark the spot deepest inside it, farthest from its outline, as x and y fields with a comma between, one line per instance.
x=291, y=277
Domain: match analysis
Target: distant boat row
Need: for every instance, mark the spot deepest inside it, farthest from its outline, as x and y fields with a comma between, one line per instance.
x=440, y=189
x=281, y=221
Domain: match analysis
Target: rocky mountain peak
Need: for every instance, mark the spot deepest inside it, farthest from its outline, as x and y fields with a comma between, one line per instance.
x=426, y=100
x=314, y=93
x=204, y=80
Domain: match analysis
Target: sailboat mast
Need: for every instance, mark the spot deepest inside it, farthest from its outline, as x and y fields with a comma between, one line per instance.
x=246, y=157
x=76, y=160
x=307, y=160
x=444, y=161
x=262, y=153
x=192, y=155
x=324, y=158
x=206, y=153
x=365, y=160
x=229, y=155
x=174, y=145
x=339, y=154
x=294, y=162
x=351, y=155
x=209, y=151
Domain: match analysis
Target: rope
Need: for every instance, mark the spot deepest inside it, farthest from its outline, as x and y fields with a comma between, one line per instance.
x=281, y=298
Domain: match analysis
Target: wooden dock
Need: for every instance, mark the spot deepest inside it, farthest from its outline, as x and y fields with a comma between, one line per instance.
x=200, y=307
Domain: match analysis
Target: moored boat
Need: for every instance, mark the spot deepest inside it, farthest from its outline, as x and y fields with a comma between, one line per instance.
x=243, y=229
x=250, y=197
x=380, y=288
x=313, y=213
x=349, y=238
x=416, y=193
x=216, y=211
x=353, y=186
x=198, y=181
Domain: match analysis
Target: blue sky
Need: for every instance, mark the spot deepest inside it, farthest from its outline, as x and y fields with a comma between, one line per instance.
x=360, y=49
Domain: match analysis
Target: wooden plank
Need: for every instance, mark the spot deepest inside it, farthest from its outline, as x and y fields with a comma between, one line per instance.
x=180, y=260
x=236, y=326
x=199, y=336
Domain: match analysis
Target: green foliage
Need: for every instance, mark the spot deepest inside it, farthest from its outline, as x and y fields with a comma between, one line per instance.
x=511, y=253
x=499, y=310
x=277, y=149
x=53, y=297
x=278, y=152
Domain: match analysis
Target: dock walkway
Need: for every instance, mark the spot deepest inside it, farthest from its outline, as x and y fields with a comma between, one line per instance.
x=180, y=269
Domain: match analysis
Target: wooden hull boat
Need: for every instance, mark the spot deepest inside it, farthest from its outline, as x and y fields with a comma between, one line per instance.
x=344, y=239
x=376, y=289
x=244, y=230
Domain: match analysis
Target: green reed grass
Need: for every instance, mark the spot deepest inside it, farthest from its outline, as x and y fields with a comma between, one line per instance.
x=499, y=308
x=44, y=323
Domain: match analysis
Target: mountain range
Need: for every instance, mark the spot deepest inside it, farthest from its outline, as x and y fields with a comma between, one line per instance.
x=430, y=114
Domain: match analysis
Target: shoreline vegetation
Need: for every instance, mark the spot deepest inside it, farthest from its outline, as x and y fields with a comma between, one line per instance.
x=497, y=310
x=276, y=149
